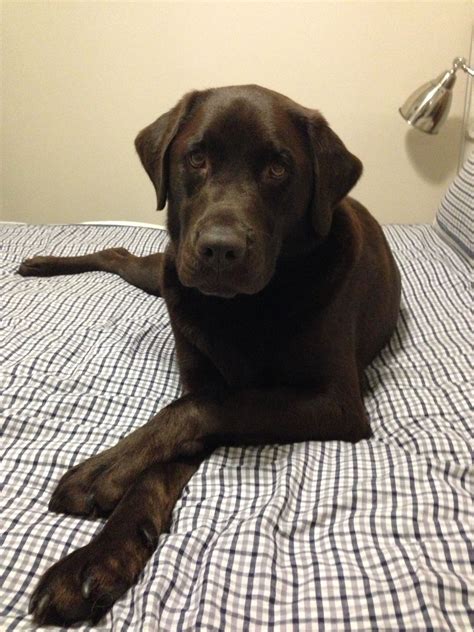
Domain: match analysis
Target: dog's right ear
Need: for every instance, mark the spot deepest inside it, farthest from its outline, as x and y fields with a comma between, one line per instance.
x=152, y=145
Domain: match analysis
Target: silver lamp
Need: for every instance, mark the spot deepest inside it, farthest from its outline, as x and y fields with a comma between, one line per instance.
x=427, y=108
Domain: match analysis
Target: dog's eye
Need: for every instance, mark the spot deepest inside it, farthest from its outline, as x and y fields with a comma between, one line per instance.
x=276, y=170
x=197, y=159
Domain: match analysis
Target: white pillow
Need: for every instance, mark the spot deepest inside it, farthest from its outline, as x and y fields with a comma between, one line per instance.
x=455, y=217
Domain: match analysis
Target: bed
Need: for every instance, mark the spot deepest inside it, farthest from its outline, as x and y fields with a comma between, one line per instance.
x=308, y=536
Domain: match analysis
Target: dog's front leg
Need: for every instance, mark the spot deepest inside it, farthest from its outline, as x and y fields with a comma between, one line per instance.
x=143, y=272
x=201, y=421
x=255, y=416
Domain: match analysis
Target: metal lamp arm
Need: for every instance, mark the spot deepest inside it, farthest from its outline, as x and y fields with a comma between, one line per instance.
x=460, y=62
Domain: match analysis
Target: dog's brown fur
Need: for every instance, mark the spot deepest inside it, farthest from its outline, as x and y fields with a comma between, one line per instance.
x=280, y=291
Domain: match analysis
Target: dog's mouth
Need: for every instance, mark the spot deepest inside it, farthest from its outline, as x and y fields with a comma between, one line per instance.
x=218, y=291
x=224, y=276
x=222, y=285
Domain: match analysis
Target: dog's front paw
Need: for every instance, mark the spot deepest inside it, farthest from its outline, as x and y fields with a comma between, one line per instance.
x=83, y=491
x=95, y=487
x=85, y=584
x=38, y=266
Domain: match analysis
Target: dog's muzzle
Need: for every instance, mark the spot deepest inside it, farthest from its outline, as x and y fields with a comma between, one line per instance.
x=218, y=260
x=221, y=254
x=220, y=248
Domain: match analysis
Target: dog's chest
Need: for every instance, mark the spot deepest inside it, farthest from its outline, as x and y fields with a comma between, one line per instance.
x=251, y=340
x=256, y=338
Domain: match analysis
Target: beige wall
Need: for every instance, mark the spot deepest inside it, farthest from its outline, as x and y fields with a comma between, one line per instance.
x=79, y=79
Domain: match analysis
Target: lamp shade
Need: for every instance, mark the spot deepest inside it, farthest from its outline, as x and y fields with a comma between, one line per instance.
x=427, y=108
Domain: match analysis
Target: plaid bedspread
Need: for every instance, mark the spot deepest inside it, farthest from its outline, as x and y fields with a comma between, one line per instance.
x=310, y=536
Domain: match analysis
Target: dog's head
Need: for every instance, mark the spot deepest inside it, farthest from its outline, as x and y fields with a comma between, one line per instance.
x=250, y=176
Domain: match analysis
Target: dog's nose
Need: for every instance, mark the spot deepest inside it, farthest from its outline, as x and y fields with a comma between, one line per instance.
x=221, y=247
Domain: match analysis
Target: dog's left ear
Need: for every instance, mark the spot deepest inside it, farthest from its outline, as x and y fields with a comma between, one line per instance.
x=153, y=142
x=335, y=172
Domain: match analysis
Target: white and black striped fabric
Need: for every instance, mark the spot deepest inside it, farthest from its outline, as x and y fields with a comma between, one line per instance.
x=455, y=217
x=311, y=536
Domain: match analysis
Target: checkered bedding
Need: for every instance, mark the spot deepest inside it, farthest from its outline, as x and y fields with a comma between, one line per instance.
x=310, y=536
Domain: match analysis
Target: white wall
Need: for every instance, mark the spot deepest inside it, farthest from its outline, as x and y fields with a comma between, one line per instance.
x=79, y=79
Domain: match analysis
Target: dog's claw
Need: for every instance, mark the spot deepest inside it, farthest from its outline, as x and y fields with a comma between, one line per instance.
x=33, y=602
x=39, y=604
x=90, y=503
x=149, y=535
x=43, y=603
x=86, y=588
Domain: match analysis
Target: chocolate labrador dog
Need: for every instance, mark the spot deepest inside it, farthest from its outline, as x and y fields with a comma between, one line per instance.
x=280, y=290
